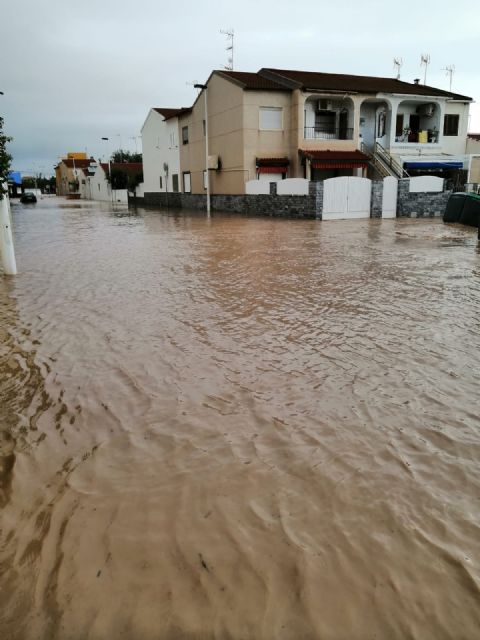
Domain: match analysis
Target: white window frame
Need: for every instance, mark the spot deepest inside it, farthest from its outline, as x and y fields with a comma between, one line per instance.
x=270, y=109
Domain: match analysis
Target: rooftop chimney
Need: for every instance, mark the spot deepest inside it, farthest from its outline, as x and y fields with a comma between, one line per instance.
x=416, y=81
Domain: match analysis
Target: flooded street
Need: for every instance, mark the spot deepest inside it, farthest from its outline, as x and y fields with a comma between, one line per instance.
x=238, y=428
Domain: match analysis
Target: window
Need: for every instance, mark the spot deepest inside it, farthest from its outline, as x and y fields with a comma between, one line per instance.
x=175, y=182
x=161, y=183
x=450, y=124
x=204, y=128
x=186, y=182
x=185, y=135
x=271, y=118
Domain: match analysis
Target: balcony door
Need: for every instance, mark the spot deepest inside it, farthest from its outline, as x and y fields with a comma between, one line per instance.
x=343, y=125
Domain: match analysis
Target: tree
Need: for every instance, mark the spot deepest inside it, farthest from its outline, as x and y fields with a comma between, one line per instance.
x=5, y=160
x=126, y=156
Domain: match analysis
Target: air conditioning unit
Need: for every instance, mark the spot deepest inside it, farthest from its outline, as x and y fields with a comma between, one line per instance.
x=213, y=162
x=426, y=110
x=324, y=105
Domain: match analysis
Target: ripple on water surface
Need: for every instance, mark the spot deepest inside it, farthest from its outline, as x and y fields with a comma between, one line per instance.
x=238, y=427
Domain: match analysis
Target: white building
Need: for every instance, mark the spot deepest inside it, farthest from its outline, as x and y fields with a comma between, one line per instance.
x=160, y=149
x=98, y=187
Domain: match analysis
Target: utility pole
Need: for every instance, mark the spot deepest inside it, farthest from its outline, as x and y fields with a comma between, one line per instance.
x=207, y=177
x=109, y=170
x=6, y=238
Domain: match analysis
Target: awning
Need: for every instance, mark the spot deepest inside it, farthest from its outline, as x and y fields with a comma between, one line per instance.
x=272, y=169
x=15, y=177
x=338, y=165
x=433, y=165
x=272, y=162
x=335, y=159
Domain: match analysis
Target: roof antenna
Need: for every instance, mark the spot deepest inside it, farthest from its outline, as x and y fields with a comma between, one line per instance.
x=192, y=84
x=450, y=70
x=397, y=64
x=425, y=60
x=229, y=33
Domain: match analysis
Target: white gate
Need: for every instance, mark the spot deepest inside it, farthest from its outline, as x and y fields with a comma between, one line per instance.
x=389, y=199
x=346, y=197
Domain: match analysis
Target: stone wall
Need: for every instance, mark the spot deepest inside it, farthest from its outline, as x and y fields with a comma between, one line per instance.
x=259, y=204
x=376, y=201
x=409, y=204
x=419, y=205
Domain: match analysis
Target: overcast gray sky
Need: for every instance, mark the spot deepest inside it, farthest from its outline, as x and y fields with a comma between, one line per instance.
x=74, y=72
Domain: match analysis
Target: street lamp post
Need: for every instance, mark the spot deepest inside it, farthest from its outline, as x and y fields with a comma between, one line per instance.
x=109, y=170
x=204, y=88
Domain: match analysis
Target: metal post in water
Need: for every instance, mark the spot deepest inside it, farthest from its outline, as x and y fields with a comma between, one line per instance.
x=6, y=238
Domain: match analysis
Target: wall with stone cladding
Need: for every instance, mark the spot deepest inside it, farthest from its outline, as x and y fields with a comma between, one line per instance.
x=254, y=204
x=419, y=205
x=412, y=205
x=376, y=200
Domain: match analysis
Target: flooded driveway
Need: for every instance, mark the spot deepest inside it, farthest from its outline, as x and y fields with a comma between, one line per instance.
x=238, y=428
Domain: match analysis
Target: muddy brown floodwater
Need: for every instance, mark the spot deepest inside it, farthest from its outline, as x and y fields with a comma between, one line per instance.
x=238, y=428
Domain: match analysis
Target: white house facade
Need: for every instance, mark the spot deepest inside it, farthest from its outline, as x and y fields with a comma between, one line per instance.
x=160, y=149
x=99, y=187
x=276, y=124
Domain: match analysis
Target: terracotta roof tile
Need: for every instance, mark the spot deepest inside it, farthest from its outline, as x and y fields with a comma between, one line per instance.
x=168, y=113
x=362, y=84
x=78, y=164
x=128, y=167
x=335, y=156
x=253, y=81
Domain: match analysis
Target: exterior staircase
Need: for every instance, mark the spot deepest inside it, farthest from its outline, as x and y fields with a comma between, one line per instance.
x=383, y=163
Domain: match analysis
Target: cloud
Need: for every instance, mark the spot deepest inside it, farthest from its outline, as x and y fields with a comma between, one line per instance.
x=77, y=72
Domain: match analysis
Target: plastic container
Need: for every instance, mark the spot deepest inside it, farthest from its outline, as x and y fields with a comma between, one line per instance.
x=423, y=137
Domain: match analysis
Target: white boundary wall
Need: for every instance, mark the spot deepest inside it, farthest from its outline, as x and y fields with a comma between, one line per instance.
x=425, y=184
x=292, y=187
x=389, y=199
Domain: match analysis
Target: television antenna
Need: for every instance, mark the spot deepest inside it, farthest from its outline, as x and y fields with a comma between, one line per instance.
x=397, y=64
x=229, y=33
x=425, y=60
x=450, y=70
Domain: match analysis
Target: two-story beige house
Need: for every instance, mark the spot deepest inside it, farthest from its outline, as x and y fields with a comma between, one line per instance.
x=280, y=123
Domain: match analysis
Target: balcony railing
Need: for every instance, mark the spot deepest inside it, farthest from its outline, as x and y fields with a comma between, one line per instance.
x=328, y=133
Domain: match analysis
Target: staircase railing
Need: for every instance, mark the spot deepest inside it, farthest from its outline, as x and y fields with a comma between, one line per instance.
x=395, y=167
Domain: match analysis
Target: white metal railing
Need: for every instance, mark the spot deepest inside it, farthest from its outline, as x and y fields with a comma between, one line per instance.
x=395, y=167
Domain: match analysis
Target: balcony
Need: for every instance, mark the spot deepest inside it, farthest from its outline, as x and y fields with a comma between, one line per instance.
x=328, y=133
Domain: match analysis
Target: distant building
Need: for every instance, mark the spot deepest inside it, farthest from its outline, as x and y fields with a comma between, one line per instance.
x=98, y=185
x=69, y=173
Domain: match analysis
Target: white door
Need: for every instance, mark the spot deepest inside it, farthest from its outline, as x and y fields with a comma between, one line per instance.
x=346, y=197
x=389, y=199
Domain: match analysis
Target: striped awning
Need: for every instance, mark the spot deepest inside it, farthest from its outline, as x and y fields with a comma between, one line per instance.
x=272, y=169
x=272, y=162
x=335, y=159
x=338, y=165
